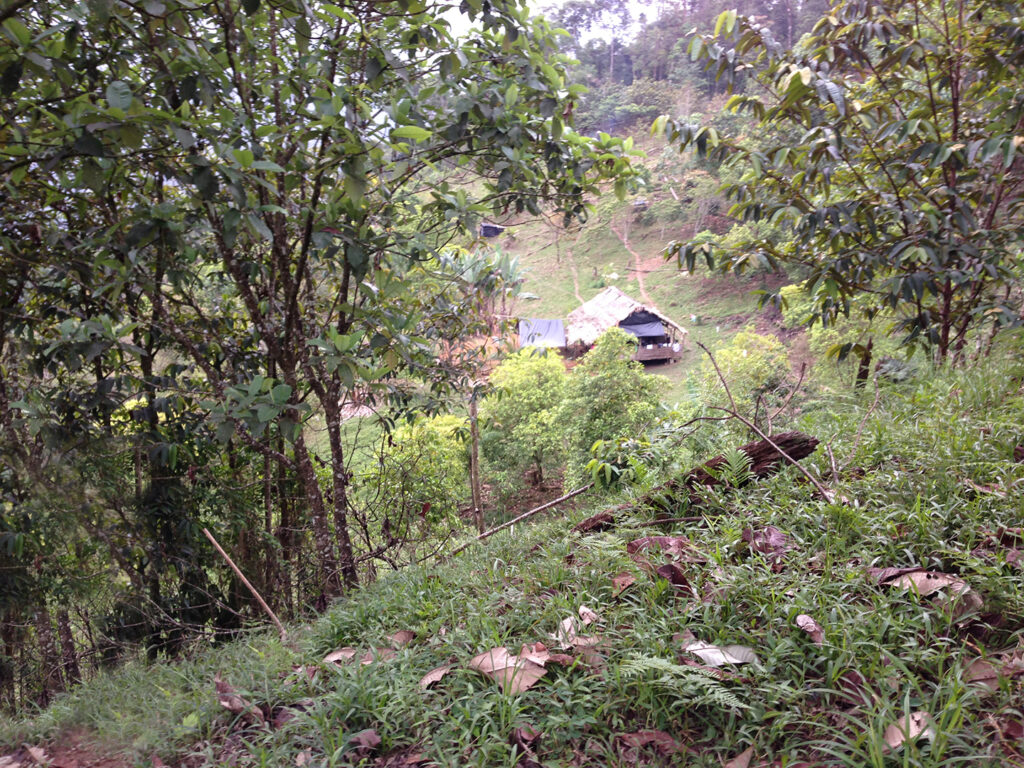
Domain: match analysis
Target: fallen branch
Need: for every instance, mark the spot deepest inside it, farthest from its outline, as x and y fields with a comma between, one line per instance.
x=251, y=588
x=734, y=412
x=531, y=513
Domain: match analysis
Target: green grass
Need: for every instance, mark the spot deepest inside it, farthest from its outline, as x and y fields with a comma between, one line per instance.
x=903, y=498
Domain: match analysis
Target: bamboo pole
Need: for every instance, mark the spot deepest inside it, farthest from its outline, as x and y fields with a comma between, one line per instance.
x=259, y=599
x=523, y=516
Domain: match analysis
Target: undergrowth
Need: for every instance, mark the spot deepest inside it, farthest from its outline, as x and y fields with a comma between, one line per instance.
x=924, y=478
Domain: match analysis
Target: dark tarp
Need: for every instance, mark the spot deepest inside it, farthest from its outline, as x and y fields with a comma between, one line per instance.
x=642, y=323
x=644, y=330
x=541, y=333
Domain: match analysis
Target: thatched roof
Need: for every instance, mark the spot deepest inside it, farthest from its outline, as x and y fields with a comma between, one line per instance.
x=610, y=307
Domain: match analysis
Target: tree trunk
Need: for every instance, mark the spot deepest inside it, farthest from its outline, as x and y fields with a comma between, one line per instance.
x=474, y=465
x=326, y=561
x=339, y=478
x=864, y=367
x=50, y=679
x=72, y=674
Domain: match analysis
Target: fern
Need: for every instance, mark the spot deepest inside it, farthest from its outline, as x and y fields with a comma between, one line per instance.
x=699, y=686
x=736, y=470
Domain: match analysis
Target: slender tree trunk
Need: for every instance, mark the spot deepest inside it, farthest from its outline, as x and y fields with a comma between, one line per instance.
x=339, y=477
x=474, y=464
x=326, y=561
x=864, y=368
x=72, y=674
x=50, y=679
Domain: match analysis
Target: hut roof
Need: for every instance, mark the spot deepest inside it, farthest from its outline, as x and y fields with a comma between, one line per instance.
x=610, y=307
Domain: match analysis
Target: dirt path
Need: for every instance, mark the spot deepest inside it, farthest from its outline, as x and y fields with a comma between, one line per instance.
x=637, y=266
x=575, y=278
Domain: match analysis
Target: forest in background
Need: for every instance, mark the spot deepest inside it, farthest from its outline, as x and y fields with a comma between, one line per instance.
x=213, y=258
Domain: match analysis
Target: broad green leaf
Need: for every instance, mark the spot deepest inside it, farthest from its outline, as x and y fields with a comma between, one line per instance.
x=119, y=95
x=413, y=132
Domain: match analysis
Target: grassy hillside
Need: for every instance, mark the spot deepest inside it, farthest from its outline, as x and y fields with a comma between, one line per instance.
x=837, y=655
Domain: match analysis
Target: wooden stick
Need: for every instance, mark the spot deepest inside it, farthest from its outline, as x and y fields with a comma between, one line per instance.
x=523, y=516
x=260, y=600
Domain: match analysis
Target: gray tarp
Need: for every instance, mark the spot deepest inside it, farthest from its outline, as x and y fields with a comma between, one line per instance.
x=644, y=329
x=541, y=333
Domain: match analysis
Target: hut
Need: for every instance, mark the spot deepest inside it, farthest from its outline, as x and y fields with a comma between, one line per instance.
x=659, y=338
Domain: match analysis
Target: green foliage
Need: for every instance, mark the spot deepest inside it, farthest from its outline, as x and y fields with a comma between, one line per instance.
x=893, y=166
x=902, y=501
x=420, y=480
x=523, y=433
x=608, y=396
x=752, y=365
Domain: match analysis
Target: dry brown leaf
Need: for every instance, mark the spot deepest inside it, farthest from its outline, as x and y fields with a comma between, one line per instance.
x=401, y=638
x=768, y=541
x=630, y=743
x=621, y=582
x=342, y=654
x=434, y=676
x=234, y=703
x=567, y=632
x=984, y=673
x=514, y=674
x=928, y=582
x=716, y=656
x=676, y=547
x=587, y=616
x=674, y=575
x=742, y=760
x=378, y=654
x=916, y=725
x=8, y=761
x=365, y=741
x=811, y=627
x=303, y=758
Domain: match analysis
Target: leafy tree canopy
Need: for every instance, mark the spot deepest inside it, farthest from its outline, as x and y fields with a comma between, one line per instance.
x=888, y=148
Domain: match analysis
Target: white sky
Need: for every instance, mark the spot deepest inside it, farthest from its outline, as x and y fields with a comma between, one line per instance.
x=460, y=24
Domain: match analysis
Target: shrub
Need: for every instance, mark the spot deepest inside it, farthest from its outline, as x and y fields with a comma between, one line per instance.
x=608, y=396
x=420, y=479
x=522, y=432
x=752, y=365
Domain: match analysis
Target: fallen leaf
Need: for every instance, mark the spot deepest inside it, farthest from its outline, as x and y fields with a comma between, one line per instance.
x=676, y=547
x=587, y=616
x=401, y=638
x=8, y=761
x=811, y=627
x=434, y=676
x=514, y=674
x=716, y=656
x=621, y=582
x=674, y=575
x=928, y=582
x=568, y=632
x=767, y=541
x=365, y=741
x=342, y=654
x=916, y=725
x=234, y=703
x=303, y=757
x=630, y=743
x=378, y=654
x=984, y=673
x=38, y=755
x=742, y=760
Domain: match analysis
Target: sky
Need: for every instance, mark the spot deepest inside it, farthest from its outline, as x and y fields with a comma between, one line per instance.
x=460, y=24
